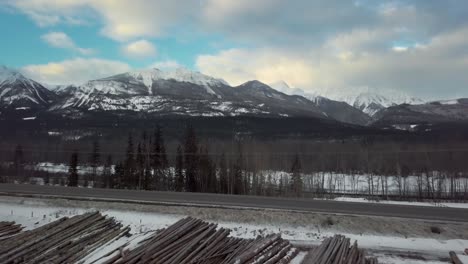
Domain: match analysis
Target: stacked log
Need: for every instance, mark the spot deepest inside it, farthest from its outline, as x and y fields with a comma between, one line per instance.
x=338, y=250
x=193, y=241
x=8, y=229
x=66, y=240
x=188, y=241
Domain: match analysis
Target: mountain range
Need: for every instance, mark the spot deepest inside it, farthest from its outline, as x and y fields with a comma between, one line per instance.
x=181, y=92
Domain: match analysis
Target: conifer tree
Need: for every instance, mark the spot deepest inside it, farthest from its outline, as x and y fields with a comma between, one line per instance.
x=179, y=170
x=107, y=173
x=73, y=170
x=296, y=178
x=18, y=162
x=129, y=168
x=191, y=160
x=140, y=166
x=94, y=160
x=223, y=174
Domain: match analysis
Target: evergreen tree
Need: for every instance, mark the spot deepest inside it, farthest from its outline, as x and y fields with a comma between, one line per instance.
x=238, y=185
x=18, y=163
x=164, y=174
x=207, y=181
x=118, y=179
x=179, y=170
x=129, y=170
x=191, y=160
x=159, y=160
x=94, y=160
x=296, y=178
x=107, y=173
x=223, y=175
x=237, y=174
x=73, y=170
x=140, y=166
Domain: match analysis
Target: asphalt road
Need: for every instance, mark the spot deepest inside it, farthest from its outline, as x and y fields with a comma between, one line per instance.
x=202, y=199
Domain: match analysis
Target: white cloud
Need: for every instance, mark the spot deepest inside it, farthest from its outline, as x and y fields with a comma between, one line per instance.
x=237, y=66
x=310, y=43
x=139, y=49
x=123, y=20
x=63, y=41
x=77, y=70
x=167, y=64
x=423, y=70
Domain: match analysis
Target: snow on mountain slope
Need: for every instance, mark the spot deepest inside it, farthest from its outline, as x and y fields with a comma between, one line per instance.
x=371, y=103
x=17, y=91
x=337, y=110
x=360, y=98
x=147, y=77
x=179, y=92
x=427, y=113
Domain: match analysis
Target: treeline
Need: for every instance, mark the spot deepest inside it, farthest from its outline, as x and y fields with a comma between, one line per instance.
x=283, y=167
x=194, y=169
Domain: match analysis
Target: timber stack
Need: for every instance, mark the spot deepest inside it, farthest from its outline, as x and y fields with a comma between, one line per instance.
x=8, y=229
x=66, y=240
x=194, y=241
x=338, y=250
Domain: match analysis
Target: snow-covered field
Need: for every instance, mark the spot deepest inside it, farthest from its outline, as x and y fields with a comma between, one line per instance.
x=378, y=235
x=368, y=184
x=331, y=182
x=433, y=204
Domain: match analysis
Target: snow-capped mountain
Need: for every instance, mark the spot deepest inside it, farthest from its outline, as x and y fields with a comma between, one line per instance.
x=338, y=110
x=17, y=91
x=371, y=103
x=180, y=92
x=360, y=98
x=427, y=113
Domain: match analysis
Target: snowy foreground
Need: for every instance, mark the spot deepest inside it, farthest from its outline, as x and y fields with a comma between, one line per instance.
x=392, y=240
x=434, y=204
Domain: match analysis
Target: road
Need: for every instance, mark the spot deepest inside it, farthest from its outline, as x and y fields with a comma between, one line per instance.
x=202, y=199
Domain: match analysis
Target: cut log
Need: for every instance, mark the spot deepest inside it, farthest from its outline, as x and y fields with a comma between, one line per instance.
x=454, y=258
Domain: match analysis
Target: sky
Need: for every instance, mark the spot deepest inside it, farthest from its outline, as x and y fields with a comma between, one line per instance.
x=418, y=47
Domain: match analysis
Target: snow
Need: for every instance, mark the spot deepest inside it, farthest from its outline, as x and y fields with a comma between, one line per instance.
x=8, y=76
x=363, y=98
x=398, y=260
x=33, y=213
x=363, y=183
x=63, y=168
x=299, y=258
x=448, y=102
x=4, y=91
x=463, y=258
x=432, y=204
x=148, y=76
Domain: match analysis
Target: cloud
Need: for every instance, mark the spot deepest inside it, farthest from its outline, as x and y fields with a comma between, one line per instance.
x=237, y=66
x=76, y=70
x=63, y=41
x=167, y=64
x=416, y=46
x=434, y=70
x=122, y=20
x=139, y=49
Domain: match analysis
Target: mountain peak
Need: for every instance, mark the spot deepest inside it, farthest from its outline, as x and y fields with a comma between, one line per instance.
x=180, y=74
x=255, y=84
x=281, y=86
x=8, y=75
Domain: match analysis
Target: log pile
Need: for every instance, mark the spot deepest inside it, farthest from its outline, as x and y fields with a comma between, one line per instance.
x=188, y=241
x=66, y=240
x=8, y=229
x=195, y=241
x=338, y=250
